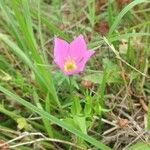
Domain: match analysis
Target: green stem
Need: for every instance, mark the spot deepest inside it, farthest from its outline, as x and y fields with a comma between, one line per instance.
x=8, y=113
x=71, y=88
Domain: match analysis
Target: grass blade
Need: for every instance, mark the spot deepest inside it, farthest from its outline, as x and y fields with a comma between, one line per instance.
x=47, y=86
x=122, y=13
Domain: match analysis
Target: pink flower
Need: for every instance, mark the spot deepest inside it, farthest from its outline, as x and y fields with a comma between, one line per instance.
x=71, y=58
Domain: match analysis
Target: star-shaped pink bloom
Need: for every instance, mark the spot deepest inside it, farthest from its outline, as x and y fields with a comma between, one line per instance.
x=71, y=58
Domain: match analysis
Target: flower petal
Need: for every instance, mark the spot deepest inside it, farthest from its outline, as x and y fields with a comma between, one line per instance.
x=61, y=49
x=87, y=56
x=81, y=65
x=77, y=47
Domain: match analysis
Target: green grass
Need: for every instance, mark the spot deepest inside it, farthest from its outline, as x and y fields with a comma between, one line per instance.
x=37, y=98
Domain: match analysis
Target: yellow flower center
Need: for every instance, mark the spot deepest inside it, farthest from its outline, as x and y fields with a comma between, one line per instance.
x=69, y=64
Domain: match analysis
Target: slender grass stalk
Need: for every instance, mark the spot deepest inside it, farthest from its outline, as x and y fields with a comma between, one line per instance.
x=110, y=13
x=8, y=113
x=103, y=86
x=45, y=121
x=91, y=12
x=148, y=116
x=40, y=33
x=51, y=27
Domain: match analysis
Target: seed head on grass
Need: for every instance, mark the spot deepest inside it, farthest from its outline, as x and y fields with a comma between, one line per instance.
x=71, y=57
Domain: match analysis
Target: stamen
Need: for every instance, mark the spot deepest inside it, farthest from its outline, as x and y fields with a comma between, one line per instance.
x=69, y=64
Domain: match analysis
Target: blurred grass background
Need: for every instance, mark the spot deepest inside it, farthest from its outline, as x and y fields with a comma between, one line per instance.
x=110, y=97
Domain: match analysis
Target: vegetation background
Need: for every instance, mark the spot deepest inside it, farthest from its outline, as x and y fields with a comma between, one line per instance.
x=106, y=106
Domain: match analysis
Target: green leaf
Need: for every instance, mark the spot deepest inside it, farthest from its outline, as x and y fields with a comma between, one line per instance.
x=81, y=122
x=76, y=107
x=88, y=106
x=71, y=122
x=22, y=123
x=95, y=77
